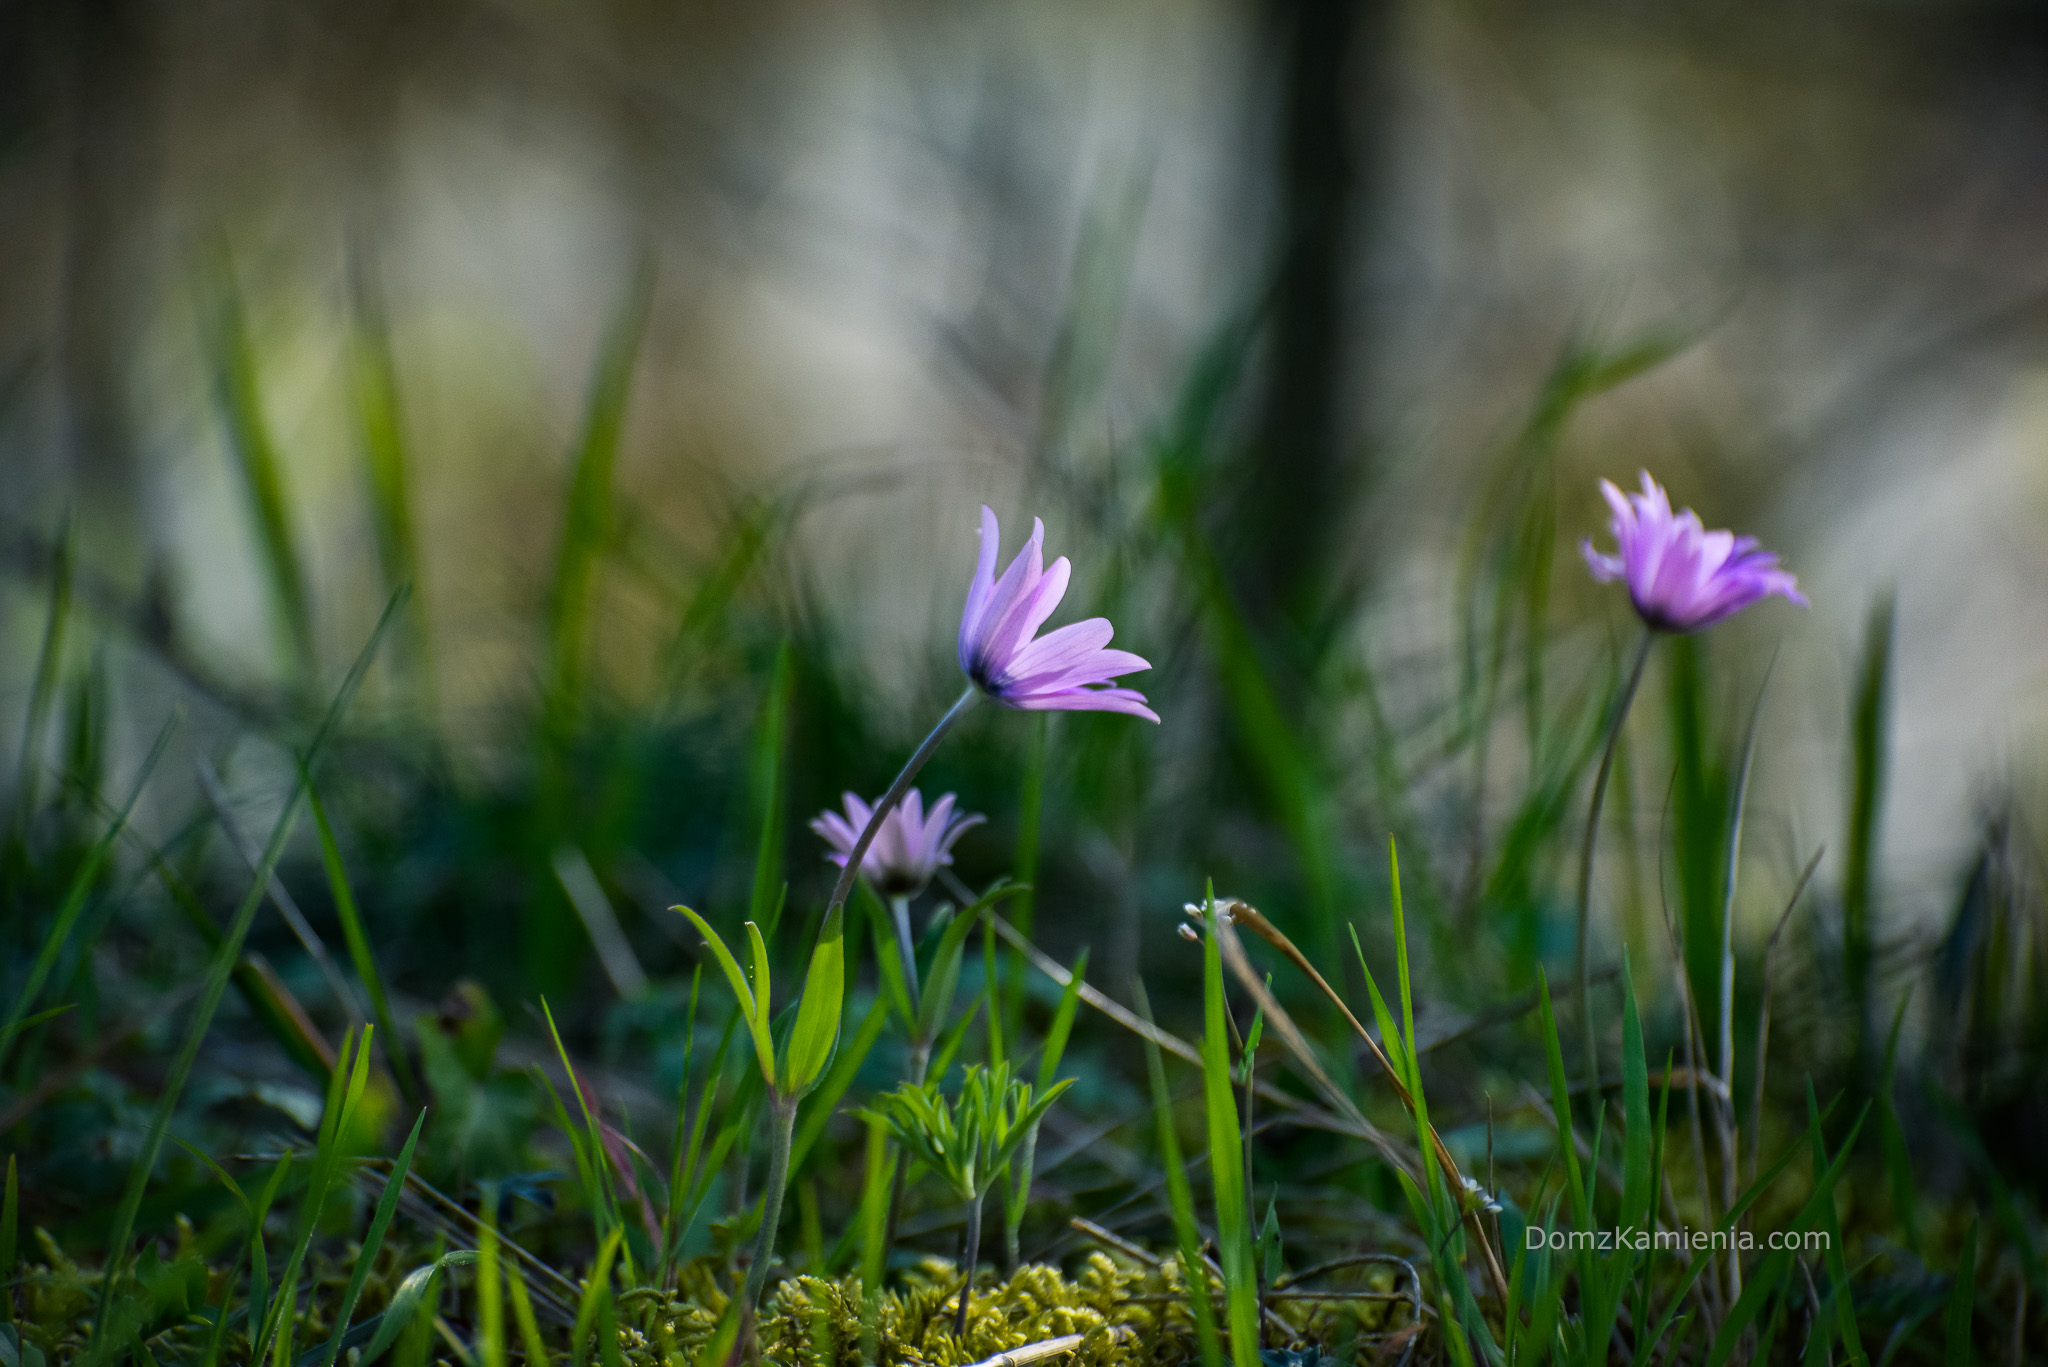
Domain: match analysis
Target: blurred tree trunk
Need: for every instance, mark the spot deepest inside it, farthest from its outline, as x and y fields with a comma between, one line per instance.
x=1296, y=484
x=110, y=165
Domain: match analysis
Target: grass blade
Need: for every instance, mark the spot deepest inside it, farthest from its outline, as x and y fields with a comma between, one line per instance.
x=374, y=1239
x=1180, y=1199
x=381, y=429
x=239, y=392
x=406, y=1301
x=75, y=896
x=764, y=902
x=49, y=667
x=1962, y=1303
x=1226, y=1156
x=218, y=972
x=587, y=523
x=359, y=946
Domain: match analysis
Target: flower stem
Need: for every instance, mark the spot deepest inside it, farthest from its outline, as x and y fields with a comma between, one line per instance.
x=1585, y=964
x=920, y=1062
x=899, y=911
x=970, y=1255
x=781, y=1125
x=842, y=889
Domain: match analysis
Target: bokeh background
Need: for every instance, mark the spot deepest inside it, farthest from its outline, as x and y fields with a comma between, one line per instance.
x=642, y=338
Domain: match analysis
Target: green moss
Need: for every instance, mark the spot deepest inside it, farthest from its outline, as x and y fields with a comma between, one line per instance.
x=1127, y=1316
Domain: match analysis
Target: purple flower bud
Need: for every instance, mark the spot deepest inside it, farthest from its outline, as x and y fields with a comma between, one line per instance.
x=907, y=850
x=1069, y=670
x=1680, y=576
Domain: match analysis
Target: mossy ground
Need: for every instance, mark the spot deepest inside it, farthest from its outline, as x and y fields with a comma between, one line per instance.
x=1127, y=1314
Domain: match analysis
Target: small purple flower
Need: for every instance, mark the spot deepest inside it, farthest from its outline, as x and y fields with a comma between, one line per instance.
x=1068, y=670
x=907, y=850
x=1681, y=576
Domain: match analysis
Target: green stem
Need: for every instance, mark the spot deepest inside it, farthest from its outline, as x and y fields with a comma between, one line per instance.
x=906, y=949
x=1585, y=965
x=842, y=889
x=1017, y=1199
x=781, y=1127
x=970, y=1254
x=920, y=1062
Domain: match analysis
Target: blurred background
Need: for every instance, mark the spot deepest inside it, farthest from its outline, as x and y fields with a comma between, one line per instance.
x=639, y=339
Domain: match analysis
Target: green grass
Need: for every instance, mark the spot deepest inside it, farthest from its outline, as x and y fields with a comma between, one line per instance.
x=517, y=1162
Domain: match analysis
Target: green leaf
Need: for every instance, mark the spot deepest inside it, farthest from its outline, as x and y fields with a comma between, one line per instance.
x=759, y=948
x=816, y=1032
x=405, y=1302
x=764, y=1047
x=821, y=1104
x=887, y=964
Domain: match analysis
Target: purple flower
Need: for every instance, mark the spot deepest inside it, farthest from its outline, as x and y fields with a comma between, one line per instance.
x=907, y=850
x=1681, y=576
x=1068, y=670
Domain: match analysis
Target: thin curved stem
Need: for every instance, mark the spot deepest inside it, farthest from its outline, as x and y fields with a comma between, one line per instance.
x=781, y=1123
x=843, y=889
x=969, y=1256
x=1585, y=966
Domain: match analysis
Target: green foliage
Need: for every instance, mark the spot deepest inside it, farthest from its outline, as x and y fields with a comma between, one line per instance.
x=1226, y=1158
x=272, y=1228
x=967, y=1140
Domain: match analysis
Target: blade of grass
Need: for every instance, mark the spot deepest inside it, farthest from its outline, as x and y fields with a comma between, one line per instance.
x=1962, y=1303
x=1017, y=1195
x=217, y=979
x=407, y=1301
x=595, y=1293
x=49, y=669
x=1763, y=1019
x=1226, y=1157
x=380, y=429
x=597, y=1173
x=1762, y=1285
x=359, y=947
x=1180, y=1199
x=587, y=521
x=239, y=392
x=373, y=1240
x=73, y=905
x=522, y=1312
x=1840, y=1291
x=764, y=902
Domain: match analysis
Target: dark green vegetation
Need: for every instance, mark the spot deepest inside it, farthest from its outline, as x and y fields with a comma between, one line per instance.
x=457, y=1084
